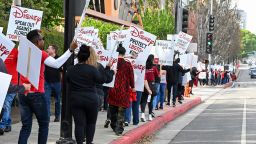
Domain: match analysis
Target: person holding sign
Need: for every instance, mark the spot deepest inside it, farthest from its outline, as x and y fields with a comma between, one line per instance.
x=34, y=101
x=12, y=89
x=119, y=96
x=82, y=79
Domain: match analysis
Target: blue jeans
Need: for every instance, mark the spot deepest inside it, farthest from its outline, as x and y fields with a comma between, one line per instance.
x=48, y=91
x=155, y=101
x=135, y=108
x=161, y=94
x=33, y=103
x=6, y=111
x=127, y=112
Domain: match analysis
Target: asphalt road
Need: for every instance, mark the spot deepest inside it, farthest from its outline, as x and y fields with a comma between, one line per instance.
x=228, y=117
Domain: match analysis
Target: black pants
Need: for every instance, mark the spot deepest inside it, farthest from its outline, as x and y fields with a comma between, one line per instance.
x=105, y=104
x=144, y=102
x=174, y=88
x=85, y=117
x=117, y=118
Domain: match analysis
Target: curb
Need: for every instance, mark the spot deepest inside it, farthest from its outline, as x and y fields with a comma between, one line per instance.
x=151, y=127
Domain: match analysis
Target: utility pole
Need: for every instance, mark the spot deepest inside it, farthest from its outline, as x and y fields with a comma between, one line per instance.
x=211, y=12
x=66, y=117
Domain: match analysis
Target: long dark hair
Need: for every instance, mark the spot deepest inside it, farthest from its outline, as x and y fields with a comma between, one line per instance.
x=150, y=62
x=83, y=54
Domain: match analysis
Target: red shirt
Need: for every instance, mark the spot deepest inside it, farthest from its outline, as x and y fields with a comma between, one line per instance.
x=11, y=64
x=151, y=74
x=41, y=77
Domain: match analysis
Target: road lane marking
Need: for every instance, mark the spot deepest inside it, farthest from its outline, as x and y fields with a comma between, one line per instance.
x=243, y=135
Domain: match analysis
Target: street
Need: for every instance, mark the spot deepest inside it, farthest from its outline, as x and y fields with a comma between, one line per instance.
x=227, y=117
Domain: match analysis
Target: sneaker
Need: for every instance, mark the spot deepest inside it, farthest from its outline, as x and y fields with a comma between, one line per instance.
x=173, y=104
x=56, y=120
x=107, y=122
x=156, y=108
x=153, y=114
x=150, y=118
x=168, y=104
x=1, y=131
x=143, y=119
x=8, y=129
x=126, y=124
x=161, y=107
x=180, y=101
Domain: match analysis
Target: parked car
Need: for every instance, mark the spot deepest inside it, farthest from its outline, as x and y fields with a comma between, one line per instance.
x=253, y=73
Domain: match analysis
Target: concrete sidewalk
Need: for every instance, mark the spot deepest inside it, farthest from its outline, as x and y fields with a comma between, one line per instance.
x=102, y=135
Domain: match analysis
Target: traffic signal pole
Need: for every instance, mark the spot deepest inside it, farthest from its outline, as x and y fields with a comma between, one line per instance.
x=209, y=55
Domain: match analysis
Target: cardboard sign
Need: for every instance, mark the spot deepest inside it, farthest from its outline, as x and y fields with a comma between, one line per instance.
x=114, y=58
x=6, y=46
x=165, y=52
x=4, y=86
x=138, y=42
x=182, y=42
x=29, y=61
x=1, y=29
x=23, y=20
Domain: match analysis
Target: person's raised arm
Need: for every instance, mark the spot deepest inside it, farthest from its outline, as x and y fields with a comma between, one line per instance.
x=57, y=63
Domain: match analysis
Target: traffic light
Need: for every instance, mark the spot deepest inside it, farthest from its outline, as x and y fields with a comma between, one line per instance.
x=211, y=23
x=184, y=20
x=209, y=42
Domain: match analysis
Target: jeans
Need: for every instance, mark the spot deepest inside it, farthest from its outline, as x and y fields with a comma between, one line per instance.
x=135, y=106
x=174, y=88
x=155, y=100
x=6, y=111
x=161, y=94
x=34, y=103
x=127, y=117
x=48, y=91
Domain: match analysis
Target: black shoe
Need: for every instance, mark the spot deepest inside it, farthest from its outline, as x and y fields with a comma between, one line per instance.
x=173, y=104
x=181, y=98
x=107, y=122
x=8, y=129
x=56, y=120
x=118, y=133
x=153, y=115
x=180, y=101
x=168, y=104
x=1, y=131
x=161, y=108
x=156, y=108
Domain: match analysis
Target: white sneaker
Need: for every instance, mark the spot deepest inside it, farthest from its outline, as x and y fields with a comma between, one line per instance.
x=150, y=117
x=143, y=118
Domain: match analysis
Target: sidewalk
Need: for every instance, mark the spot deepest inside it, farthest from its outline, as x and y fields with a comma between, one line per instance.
x=102, y=135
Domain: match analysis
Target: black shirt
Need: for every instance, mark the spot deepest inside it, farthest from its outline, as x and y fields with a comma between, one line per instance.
x=52, y=75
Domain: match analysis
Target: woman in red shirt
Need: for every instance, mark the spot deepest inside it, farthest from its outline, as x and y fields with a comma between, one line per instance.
x=149, y=90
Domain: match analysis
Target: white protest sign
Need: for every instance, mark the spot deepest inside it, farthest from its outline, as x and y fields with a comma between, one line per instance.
x=165, y=52
x=139, y=41
x=172, y=38
x=83, y=39
x=4, y=86
x=182, y=42
x=23, y=20
x=1, y=29
x=114, y=59
x=194, y=61
x=117, y=36
x=29, y=61
x=6, y=46
x=184, y=60
x=104, y=56
x=192, y=48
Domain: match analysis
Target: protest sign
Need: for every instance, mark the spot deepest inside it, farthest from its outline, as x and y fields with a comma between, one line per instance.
x=29, y=61
x=139, y=41
x=192, y=48
x=23, y=20
x=104, y=56
x=6, y=46
x=114, y=60
x=1, y=29
x=164, y=52
x=4, y=86
x=182, y=42
x=117, y=37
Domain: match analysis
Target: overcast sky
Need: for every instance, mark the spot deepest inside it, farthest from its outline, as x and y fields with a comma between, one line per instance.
x=250, y=8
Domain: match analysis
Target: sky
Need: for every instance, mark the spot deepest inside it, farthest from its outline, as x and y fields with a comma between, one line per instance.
x=249, y=7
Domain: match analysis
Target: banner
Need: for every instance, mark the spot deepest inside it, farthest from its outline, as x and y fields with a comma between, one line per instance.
x=4, y=86
x=6, y=46
x=1, y=29
x=29, y=61
x=182, y=42
x=165, y=52
x=23, y=20
x=138, y=42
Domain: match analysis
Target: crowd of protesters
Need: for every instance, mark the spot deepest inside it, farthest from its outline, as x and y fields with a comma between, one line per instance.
x=88, y=96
